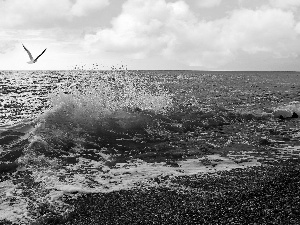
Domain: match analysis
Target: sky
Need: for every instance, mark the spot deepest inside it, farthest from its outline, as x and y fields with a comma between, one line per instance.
x=246, y=35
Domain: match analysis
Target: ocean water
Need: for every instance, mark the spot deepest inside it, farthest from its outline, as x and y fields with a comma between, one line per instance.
x=63, y=133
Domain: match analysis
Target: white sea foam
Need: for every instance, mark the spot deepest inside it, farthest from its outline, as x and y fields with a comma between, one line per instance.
x=287, y=110
x=85, y=108
x=12, y=206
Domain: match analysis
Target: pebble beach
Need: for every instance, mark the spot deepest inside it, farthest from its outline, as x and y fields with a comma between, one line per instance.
x=149, y=147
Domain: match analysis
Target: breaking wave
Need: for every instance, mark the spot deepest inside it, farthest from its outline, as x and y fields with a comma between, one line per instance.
x=115, y=105
x=289, y=110
x=100, y=131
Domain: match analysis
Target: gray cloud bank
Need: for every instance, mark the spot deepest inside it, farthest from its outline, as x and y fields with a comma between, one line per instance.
x=169, y=29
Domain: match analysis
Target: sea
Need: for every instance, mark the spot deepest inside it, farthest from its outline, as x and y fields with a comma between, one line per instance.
x=67, y=133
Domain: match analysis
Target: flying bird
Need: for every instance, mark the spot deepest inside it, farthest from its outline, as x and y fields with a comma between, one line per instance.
x=30, y=56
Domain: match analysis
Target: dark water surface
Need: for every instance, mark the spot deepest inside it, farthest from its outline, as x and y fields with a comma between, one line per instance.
x=65, y=132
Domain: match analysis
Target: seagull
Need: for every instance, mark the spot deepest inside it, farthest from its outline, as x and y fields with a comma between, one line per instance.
x=30, y=56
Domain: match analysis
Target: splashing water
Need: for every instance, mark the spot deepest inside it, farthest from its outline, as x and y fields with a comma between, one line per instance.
x=102, y=96
x=88, y=107
x=106, y=131
x=111, y=104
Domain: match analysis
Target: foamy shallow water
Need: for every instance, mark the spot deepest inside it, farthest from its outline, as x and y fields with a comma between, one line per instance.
x=90, y=132
x=99, y=178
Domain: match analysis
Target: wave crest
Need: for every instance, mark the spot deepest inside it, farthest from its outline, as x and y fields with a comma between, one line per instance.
x=111, y=105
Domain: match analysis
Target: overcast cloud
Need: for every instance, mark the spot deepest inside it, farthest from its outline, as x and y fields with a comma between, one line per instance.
x=140, y=32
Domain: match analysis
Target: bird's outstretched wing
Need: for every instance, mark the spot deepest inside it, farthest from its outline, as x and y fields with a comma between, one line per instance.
x=28, y=52
x=39, y=55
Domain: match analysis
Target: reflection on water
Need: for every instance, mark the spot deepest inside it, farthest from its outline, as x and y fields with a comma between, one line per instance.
x=65, y=132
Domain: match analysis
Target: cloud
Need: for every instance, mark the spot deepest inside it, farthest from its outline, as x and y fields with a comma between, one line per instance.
x=170, y=29
x=298, y=28
x=143, y=27
x=262, y=30
x=208, y=3
x=285, y=3
x=7, y=45
x=7, y=42
x=155, y=29
x=43, y=13
x=46, y=22
x=83, y=7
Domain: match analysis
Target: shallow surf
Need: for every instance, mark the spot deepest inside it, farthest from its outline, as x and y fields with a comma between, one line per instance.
x=65, y=132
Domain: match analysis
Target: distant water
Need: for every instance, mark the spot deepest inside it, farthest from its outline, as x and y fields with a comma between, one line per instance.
x=97, y=131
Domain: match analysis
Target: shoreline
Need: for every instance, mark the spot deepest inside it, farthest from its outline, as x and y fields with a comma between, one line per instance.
x=267, y=194
x=144, y=164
